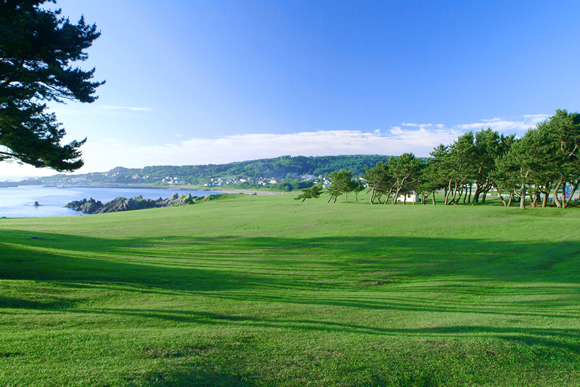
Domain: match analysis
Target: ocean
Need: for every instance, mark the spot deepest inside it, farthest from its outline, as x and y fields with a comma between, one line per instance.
x=16, y=202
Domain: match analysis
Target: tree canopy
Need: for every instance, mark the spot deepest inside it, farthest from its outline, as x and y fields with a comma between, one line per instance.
x=543, y=164
x=38, y=48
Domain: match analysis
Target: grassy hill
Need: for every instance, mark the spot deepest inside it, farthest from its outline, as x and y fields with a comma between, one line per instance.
x=264, y=290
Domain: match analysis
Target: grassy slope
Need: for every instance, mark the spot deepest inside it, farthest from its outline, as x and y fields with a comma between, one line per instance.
x=270, y=291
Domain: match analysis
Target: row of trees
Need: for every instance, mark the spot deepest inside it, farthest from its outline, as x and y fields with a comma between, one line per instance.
x=544, y=161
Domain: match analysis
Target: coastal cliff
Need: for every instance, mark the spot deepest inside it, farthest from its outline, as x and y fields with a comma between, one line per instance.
x=93, y=206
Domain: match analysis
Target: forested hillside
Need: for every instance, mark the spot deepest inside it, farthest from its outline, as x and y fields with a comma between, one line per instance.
x=280, y=167
x=274, y=173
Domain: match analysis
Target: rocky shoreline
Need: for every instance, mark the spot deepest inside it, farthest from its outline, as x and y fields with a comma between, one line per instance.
x=93, y=206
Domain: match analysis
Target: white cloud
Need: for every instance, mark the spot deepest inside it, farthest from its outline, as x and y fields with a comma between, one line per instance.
x=507, y=126
x=420, y=139
x=109, y=153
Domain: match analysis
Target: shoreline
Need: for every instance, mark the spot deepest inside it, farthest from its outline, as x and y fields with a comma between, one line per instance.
x=178, y=188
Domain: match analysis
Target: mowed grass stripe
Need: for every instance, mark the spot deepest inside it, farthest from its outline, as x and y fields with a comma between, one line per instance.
x=270, y=291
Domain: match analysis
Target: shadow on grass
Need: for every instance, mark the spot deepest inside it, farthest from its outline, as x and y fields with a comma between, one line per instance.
x=274, y=269
x=226, y=263
x=357, y=273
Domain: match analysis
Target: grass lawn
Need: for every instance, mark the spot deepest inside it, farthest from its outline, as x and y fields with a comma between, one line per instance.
x=265, y=290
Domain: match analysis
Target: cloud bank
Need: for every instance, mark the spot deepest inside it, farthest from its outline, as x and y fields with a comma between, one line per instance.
x=419, y=139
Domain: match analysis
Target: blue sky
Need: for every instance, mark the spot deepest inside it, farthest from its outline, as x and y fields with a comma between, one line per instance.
x=197, y=82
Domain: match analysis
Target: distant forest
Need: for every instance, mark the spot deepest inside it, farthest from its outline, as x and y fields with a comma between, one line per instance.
x=284, y=167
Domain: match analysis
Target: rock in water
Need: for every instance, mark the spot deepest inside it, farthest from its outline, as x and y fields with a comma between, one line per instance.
x=123, y=204
x=36, y=204
x=86, y=206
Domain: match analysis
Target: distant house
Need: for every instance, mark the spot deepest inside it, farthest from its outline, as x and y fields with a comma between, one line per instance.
x=307, y=176
x=411, y=196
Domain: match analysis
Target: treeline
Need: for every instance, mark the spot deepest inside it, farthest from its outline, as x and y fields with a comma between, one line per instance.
x=544, y=162
x=287, y=186
x=284, y=167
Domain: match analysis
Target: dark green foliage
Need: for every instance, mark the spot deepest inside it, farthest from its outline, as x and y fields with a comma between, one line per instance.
x=380, y=181
x=279, y=167
x=37, y=51
x=341, y=183
x=545, y=161
x=310, y=193
x=406, y=171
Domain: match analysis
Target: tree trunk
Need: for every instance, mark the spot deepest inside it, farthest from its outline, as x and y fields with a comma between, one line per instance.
x=535, y=198
x=546, y=194
x=574, y=188
x=523, y=198
x=396, y=197
x=556, y=189
x=460, y=190
x=476, y=195
x=469, y=199
x=373, y=195
x=388, y=196
x=503, y=200
x=454, y=194
x=511, y=197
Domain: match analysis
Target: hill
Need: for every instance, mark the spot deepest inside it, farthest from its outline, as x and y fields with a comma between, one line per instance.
x=264, y=290
x=254, y=173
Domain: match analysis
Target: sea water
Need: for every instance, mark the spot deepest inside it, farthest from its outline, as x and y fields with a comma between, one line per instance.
x=19, y=201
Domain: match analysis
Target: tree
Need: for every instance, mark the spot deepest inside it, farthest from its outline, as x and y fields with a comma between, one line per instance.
x=37, y=51
x=405, y=171
x=487, y=148
x=563, y=129
x=528, y=156
x=313, y=192
x=358, y=186
x=380, y=181
x=340, y=182
x=429, y=181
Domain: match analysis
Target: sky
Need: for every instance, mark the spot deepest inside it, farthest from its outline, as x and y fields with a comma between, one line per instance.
x=200, y=82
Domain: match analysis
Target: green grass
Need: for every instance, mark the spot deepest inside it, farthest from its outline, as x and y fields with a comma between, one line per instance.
x=264, y=290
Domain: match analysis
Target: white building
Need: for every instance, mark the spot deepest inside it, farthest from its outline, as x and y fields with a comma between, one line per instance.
x=412, y=197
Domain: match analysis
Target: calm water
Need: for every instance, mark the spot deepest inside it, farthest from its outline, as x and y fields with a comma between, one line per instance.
x=19, y=201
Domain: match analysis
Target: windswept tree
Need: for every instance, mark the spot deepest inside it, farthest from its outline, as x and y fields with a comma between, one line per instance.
x=563, y=129
x=38, y=49
x=405, y=171
x=460, y=167
x=358, y=187
x=340, y=183
x=313, y=192
x=379, y=181
x=429, y=182
x=489, y=145
x=527, y=157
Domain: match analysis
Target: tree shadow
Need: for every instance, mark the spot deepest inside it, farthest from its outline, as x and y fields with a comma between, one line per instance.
x=359, y=274
x=225, y=263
